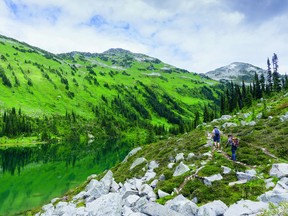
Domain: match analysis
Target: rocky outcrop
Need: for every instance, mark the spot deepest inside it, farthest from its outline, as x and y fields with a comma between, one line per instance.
x=181, y=169
x=182, y=205
x=137, y=162
x=214, y=208
x=246, y=207
x=210, y=179
x=279, y=170
x=131, y=153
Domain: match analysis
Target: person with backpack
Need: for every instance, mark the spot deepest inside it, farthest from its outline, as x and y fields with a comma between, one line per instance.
x=216, y=138
x=234, y=143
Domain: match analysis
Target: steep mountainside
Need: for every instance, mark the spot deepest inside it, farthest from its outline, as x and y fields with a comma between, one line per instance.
x=236, y=71
x=114, y=88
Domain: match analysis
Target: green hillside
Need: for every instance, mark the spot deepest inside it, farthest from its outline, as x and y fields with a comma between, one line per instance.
x=113, y=91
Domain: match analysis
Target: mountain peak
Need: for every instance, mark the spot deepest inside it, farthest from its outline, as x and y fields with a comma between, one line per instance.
x=236, y=71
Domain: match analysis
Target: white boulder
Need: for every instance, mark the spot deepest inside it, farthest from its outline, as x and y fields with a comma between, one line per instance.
x=214, y=208
x=181, y=169
x=279, y=170
x=137, y=162
x=246, y=207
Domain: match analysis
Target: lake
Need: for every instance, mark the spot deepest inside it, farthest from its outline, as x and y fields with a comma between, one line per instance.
x=32, y=176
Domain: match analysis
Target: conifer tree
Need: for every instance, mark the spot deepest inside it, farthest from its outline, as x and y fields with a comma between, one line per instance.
x=269, y=77
x=258, y=92
x=276, y=75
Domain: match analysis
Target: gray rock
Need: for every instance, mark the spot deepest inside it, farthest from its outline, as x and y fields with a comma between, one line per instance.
x=131, y=153
x=126, y=211
x=150, y=174
x=181, y=169
x=64, y=207
x=170, y=165
x=251, y=123
x=79, y=195
x=238, y=182
x=179, y=157
x=269, y=185
x=284, y=117
x=214, y=208
x=245, y=176
x=251, y=172
x=226, y=170
x=114, y=187
x=153, y=165
x=107, y=180
x=246, y=207
x=154, y=183
x=210, y=179
x=229, y=124
x=207, y=154
x=96, y=191
x=145, y=190
x=151, y=196
x=190, y=155
x=108, y=204
x=131, y=200
x=279, y=170
x=273, y=197
x=182, y=205
x=195, y=200
x=156, y=209
x=226, y=117
x=162, y=194
x=137, y=162
x=259, y=116
x=162, y=177
x=270, y=117
x=246, y=115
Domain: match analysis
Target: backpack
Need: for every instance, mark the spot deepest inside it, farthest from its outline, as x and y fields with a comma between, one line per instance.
x=236, y=141
x=216, y=132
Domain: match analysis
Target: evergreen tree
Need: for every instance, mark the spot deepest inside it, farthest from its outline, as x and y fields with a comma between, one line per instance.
x=276, y=75
x=262, y=83
x=258, y=92
x=269, y=78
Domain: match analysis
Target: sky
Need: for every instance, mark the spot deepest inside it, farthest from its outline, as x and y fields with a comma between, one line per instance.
x=196, y=35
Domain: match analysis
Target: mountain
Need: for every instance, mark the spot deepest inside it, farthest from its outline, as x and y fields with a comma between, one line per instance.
x=236, y=71
x=165, y=176
x=103, y=94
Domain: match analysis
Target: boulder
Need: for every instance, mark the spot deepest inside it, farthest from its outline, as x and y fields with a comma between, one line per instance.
x=162, y=194
x=226, y=170
x=237, y=182
x=229, y=124
x=246, y=115
x=209, y=154
x=182, y=205
x=108, y=204
x=278, y=194
x=96, y=191
x=114, y=186
x=170, y=165
x=214, y=208
x=154, y=183
x=107, y=180
x=64, y=208
x=131, y=153
x=145, y=189
x=251, y=123
x=131, y=200
x=251, y=172
x=284, y=117
x=210, y=179
x=245, y=176
x=162, y=177
x=279, y=170
x=259, y=116
x=152, y=165
x=156, y=209
x=225, y=117
x=181, y=169
x=126, y=211
x=137, y=162
x=190, y=155
x=179, y=157
x=150, y=174
x=246, y=207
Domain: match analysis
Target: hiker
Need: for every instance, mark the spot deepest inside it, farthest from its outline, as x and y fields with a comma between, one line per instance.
x=216, y=137
x=233, y=142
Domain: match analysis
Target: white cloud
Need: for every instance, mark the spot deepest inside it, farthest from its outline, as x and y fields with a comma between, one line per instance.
x=195, y=35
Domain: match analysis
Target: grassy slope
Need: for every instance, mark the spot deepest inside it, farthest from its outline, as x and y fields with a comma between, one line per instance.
x=269, y=134
x=49, y=95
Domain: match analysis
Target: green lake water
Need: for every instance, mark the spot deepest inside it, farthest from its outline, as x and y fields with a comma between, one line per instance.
x=38, y=182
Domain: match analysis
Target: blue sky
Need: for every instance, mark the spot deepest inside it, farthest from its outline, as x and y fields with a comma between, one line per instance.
x=198, y=35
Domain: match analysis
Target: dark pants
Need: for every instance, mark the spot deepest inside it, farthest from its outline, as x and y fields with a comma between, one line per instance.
x=233, y=155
